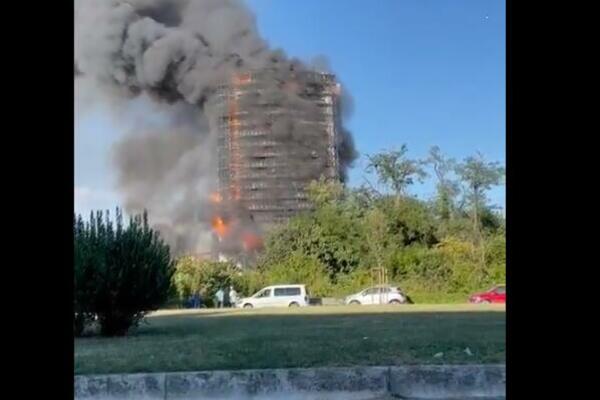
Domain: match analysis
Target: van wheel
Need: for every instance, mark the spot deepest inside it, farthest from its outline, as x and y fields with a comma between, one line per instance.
x=355, y=303
x=395, y=302
x=294, y=304
x=248, y=305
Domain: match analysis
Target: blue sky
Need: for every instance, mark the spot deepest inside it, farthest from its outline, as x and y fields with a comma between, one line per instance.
x=421, y=72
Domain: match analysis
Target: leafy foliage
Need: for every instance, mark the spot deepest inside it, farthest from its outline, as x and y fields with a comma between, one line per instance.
x=395, y=170
x=478, y=176
x=299, y=268
x=331, y=234
x=447, y=187
x=120, y=272
x=194, y=276
x=427, y=247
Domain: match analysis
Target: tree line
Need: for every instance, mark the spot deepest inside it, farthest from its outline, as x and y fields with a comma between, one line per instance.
x=438, y=249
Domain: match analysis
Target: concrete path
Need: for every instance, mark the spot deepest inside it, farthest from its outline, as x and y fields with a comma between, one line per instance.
x=415, y=382
x=391, y=397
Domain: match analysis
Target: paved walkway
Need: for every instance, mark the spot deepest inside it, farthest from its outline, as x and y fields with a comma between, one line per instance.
x=415, y=382
x=390, y=397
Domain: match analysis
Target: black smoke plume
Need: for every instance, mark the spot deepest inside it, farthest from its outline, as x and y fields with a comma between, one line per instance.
x=175, y=53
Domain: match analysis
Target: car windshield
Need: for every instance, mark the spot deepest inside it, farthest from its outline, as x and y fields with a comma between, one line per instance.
x=263, y=293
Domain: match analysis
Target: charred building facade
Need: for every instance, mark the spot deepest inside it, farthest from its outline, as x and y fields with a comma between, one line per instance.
x=275, y=136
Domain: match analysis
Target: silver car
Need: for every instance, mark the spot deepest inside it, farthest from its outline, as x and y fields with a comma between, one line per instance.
x=378, y=295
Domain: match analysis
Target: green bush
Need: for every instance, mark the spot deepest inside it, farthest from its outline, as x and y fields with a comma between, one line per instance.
x=429, y=297
x=496, y=259
x=121, y=272
x=187, y=277
x=418, y=263
x=444, y=273
x=193, y=276
x=249, y=282
x=352, y=282
x=332, y=234
x=299, y=268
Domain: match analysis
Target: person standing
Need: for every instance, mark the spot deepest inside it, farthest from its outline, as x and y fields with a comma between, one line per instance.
x=196, y=301
x=219, y=296
x=232, y=296
x=226, y=301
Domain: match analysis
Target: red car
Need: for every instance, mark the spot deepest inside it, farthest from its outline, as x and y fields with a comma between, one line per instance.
x=497, y=294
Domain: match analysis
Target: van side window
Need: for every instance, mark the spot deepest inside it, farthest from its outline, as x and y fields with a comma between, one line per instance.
x=287, y=292
x=265, y=293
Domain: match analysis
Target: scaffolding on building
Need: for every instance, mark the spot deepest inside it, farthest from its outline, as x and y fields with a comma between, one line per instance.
x=254, y=165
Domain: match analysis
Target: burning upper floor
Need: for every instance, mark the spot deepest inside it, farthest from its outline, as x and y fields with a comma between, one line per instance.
x=274, y=137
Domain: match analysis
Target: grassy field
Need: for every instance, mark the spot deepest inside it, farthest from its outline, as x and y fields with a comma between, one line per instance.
x=183, y=340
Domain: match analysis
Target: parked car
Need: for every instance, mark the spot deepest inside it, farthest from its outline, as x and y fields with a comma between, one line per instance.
x=276, y=296
x=379, y=295
x=497, y=294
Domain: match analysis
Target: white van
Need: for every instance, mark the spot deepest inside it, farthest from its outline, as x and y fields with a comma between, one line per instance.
x=276, y=296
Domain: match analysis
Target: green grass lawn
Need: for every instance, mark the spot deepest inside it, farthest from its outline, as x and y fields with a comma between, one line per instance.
x=303, y=337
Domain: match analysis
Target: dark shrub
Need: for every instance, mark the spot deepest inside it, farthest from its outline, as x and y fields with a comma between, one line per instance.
x=121, y=273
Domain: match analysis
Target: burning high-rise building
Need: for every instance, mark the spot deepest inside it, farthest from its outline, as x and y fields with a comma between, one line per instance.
x=275, y=136
x=229, y=111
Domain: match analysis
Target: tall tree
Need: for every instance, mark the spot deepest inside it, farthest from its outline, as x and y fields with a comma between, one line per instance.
x=323, y=191
x=395, y=170
x=447, y=188
x=378, y=235
x=478, y=177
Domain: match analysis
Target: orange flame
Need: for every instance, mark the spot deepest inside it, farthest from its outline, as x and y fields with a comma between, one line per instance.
x=242, y=79
x=216, y=197
x=251, y=242
x=219, y=226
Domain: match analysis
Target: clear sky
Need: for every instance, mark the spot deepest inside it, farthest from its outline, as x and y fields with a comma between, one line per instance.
x=421, y=72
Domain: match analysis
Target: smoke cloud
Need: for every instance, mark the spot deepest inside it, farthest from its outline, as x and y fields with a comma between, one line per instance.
x=175, y=53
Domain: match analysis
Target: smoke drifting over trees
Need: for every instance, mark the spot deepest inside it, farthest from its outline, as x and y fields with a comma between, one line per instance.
x=174, y=53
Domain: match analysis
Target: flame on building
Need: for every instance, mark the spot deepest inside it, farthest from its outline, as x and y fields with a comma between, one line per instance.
x=219, y=226
x=251, y=242
x=269, y=149
x=216, y=198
